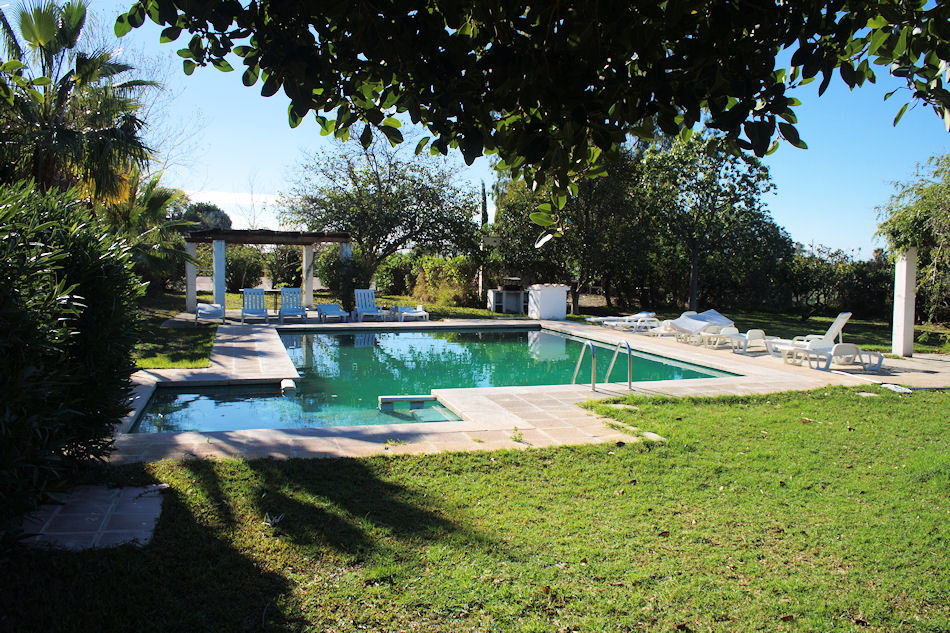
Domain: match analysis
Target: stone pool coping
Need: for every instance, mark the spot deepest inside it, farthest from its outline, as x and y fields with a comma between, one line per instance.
x=492, y=418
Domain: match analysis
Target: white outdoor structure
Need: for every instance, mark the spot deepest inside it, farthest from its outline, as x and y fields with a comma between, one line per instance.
x=905, y=294
x=219, y=237
x=547, y=301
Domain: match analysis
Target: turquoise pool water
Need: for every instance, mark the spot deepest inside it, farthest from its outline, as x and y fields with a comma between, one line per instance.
x=343, y=374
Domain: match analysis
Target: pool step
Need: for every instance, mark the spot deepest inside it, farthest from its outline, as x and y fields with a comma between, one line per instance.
x=388, y=403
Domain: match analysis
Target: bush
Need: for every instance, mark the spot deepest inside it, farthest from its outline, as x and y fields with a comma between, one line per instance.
x=395, y=275
x=284, y=266
x=333, y=273
x=243, y=268
x=68, y=313
x=447, y=280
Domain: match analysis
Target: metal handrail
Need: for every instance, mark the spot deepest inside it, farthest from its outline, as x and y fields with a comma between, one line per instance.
x=613, y=360
x=593, y=365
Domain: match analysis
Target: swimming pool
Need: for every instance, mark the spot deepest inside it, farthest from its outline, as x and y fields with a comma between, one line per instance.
x=343, y=373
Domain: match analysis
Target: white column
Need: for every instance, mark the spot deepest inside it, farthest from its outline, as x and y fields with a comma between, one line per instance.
x=308, y=276
x=345, y=251
x=191, y=279
x=905, y=293
x=217, y=252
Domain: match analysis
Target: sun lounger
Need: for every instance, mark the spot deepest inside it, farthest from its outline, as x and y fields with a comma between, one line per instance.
x=741, y=342
x=403, y=313
x=366, y=305
x=209, y=311
x=715, y=339
x=690, y=327
x=291, y=304
x=254, y=304
x=826, y=340
x=327, y=311
x=822, y=357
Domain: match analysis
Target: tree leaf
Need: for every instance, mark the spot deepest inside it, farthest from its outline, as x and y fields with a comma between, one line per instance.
x=900, y=113
x=790, y=133
x=249, y=78
x=391, y=133
x=170, y=34
x=222, y=65
x=421, y=145
x=541, y=218
x=188, y=66
x=122, y=25
x=392, y=122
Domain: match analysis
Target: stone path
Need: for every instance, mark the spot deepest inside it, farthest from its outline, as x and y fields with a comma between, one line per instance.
x=95, y=517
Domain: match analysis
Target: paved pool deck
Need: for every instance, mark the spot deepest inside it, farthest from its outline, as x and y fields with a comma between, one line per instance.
x=492, y=418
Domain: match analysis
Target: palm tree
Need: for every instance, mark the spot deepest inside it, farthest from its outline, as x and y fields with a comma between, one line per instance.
x=71, y=120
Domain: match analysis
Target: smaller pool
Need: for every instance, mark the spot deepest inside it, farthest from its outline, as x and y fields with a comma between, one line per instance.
x=264, y=407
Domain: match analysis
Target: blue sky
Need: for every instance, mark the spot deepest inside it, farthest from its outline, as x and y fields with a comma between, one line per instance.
x=240, y=143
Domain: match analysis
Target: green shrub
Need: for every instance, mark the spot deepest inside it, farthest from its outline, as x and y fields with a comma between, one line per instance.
x=68, y=316
x=447, y=280
x=284, y=266
x=243, y=268
x=395, y=275
x=341, y=278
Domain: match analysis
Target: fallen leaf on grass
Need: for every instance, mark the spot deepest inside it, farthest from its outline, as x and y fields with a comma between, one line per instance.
x=809, y=421
x=665, y=533
x=787, y=618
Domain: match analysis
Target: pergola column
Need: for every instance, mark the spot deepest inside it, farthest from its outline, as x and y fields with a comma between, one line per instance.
x=217, y=252
x=308, y=276
x=905, y=295
x=191, y=279
x=346, y=253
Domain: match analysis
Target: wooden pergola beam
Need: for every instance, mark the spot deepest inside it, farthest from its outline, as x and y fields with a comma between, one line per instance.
x=264, y=236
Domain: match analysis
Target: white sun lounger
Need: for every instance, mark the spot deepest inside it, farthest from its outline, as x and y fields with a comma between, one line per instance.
x=826, y=340
x=403, y=313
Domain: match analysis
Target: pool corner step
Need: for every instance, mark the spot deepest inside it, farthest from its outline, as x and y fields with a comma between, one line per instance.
x=387, y=403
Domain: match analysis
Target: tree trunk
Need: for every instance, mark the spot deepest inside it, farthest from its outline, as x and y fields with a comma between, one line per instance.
x=694, y=277
x=608, y=292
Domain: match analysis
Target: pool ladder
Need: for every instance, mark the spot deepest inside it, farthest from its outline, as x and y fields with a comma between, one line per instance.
x=593, y=364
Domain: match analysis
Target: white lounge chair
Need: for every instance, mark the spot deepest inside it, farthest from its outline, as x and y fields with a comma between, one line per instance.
x=826, y=340
x=291, y=304
x=715, y=339
x=822, y=357
x=402, y=313
x=608, y=320
x=846, y=353
x=331, y=311
x=741, y=342
x=366, y=305
x=254, y=304
x=209, y=311
x=690, y=327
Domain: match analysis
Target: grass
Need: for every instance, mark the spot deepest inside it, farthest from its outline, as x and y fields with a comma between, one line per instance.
x=793, y=512
x=870, y=334
x=171, y=348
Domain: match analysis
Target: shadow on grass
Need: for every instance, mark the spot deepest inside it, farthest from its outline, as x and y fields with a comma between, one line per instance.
x=345, y=504
x=226, y=547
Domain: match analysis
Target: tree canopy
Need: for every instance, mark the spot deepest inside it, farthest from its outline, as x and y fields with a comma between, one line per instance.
x=918, y=215
x=548, y=86
x=67, y=117
x=385, y=201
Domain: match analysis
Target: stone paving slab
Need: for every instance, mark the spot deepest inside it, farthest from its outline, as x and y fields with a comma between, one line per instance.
x=96, y=517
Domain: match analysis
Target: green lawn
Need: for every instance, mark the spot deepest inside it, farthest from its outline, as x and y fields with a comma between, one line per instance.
x=795, y=512
x=168, y=348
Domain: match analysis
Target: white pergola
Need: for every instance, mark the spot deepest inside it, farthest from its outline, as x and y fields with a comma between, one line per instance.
x=219, y=237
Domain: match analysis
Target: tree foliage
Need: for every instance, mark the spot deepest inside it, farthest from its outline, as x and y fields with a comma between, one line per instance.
x=918, y=215
x=548, y=86
x=204, y=215
x=66, y=115
x=385, y=201
x=68, y=311
x=708, y=196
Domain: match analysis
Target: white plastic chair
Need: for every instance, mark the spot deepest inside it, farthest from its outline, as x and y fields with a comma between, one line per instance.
x=366, y=305
x=254, y=305
x=291, y=304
